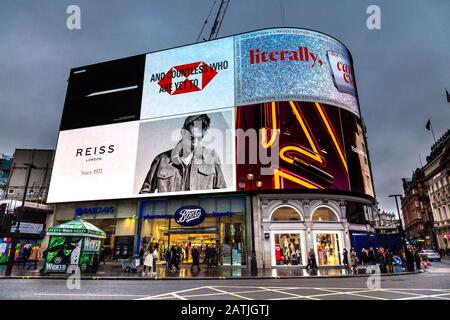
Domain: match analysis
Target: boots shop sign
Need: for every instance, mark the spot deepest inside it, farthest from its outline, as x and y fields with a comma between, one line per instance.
x=189, y=216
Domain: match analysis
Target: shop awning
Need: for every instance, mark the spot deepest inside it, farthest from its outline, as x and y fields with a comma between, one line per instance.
x=77, y=228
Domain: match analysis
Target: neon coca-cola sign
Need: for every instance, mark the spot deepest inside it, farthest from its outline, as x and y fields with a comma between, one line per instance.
x=190, y=216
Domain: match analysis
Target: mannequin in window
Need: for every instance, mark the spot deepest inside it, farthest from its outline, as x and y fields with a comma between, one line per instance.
x=292, y=248
x=286, y=243
x=277, y=254
x=326, y=254
x=297, y=244
x=319, y=253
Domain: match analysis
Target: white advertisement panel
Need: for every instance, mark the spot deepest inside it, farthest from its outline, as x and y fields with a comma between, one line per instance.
x=193, y=78
x=94, y=163
x=189, y=154
x=179, y=155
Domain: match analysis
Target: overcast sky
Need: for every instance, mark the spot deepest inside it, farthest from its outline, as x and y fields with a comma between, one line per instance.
x=401, y=70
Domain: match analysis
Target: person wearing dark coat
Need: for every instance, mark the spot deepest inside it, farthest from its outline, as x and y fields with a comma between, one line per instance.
x=173, y=258
x=141, y=256
x=25, y=255
x=382, y=262
x=371, y=256
x=312, y=262
x=345, y=259
x=195, y=259
x=417, y=259
x=209, y=256
x=364, y=257
x=409, y=260
x=388, y=261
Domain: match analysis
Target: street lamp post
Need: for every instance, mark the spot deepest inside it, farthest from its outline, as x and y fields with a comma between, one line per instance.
x=402, y=233
x=15, y=235
x=259, y=184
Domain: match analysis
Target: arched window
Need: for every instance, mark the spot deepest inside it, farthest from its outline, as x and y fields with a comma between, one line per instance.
x=324, y=214
x=285, y=213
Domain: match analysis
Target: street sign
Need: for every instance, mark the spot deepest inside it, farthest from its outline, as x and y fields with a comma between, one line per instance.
x=28, y=227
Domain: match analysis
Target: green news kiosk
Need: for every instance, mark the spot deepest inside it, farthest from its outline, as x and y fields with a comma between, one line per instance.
x=73, y=244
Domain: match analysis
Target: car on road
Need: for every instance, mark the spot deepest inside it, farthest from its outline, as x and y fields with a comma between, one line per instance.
x=430, y=254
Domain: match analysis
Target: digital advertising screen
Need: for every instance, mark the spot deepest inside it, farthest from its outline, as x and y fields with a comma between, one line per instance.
x=195, y=119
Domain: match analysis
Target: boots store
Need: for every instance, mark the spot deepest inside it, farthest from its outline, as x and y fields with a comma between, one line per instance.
x=217, y=223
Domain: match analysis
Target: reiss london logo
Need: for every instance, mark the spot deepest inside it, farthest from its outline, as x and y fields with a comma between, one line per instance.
x=189, y=77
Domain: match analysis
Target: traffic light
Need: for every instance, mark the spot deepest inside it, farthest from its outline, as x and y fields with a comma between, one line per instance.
x=13, y=220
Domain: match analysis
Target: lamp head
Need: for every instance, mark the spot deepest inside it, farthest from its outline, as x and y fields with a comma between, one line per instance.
x=259, y=183
x=242, y=184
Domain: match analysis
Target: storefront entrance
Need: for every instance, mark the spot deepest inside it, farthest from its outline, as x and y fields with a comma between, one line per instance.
x=108, y=226
x=187, y=241
x=221, y=233
x=328, y=248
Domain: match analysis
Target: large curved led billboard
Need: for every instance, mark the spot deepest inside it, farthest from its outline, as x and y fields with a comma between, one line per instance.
x=280, y=103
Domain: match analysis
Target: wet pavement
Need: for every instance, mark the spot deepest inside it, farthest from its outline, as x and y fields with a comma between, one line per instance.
x=113, y=270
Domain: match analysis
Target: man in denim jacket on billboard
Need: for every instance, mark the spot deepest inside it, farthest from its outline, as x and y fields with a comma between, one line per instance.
x=189, y=165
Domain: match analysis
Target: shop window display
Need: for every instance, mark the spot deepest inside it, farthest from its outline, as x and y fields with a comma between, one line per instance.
x=327, y=246
x=287, y=249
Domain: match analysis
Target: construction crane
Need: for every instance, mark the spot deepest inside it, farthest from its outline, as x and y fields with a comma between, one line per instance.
x=217, y=21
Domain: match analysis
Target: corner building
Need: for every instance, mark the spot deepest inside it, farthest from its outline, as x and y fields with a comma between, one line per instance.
x=290, y=168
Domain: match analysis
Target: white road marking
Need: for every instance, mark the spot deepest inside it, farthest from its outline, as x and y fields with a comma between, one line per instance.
x=178, y=297
x=89, y=294
x=353, y=293
x=230, y=293
x=287, y=293
x=427, y=296
x=414, y=293
x=170, y=293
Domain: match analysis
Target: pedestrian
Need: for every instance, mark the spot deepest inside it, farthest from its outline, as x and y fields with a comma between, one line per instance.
x=141, y=256
x=155, y=258
x=365, y=257
x=388, y=261
x=35, y=256
x=215, y=260
x=148, y=261
x=195, y=259
x=371, y=256
x=173, y=259
x=382, y=262
x=345, y=259
x=312, y=262
x=179, y=254
x=409, y=260
x=417, y=259
x=167, y=258
x=25, y=254
x=353, y=260
x=208, y=256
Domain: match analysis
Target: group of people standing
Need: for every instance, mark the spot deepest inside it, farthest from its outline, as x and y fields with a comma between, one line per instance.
x=31, y=255
x=174, y=255
x=370, y=256
x=350, y=260
x=148, y=259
